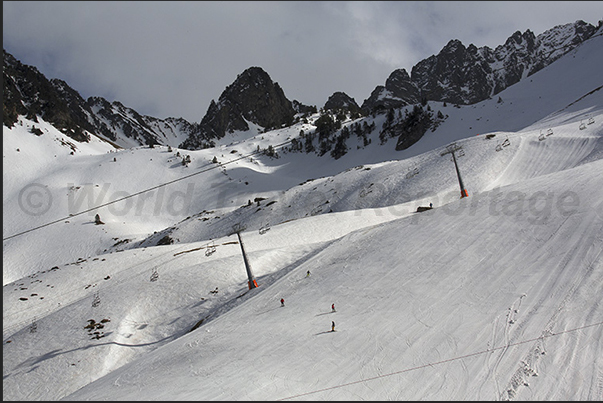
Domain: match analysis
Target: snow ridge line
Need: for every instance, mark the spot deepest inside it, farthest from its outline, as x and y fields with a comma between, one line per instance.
x=443, y=361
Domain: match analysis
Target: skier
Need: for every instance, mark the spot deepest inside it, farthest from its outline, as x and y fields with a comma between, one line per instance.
x=333, y=308
x=97, y=220
x=430, y=205
x=282, y=302
x=308, y=273
x=332, y=326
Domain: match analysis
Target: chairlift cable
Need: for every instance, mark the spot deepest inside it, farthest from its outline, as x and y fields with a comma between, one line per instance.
x=423, y=366
x=141, y=192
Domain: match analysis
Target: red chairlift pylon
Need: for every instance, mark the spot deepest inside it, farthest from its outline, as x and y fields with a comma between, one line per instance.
x=451, y=149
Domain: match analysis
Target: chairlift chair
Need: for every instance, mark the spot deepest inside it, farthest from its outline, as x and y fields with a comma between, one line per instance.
x=591, y=121
x=499, y=147
x=541, y=137
x=549, y=132
x=506, y=143
x=582, y=125
x=414, y=172
x=210, y=250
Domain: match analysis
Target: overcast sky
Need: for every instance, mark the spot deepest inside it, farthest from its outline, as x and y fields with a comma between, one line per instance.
x=172, y=58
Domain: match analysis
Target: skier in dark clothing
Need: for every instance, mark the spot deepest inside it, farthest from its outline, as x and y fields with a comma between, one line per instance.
x=97, y=220
x=332, y=326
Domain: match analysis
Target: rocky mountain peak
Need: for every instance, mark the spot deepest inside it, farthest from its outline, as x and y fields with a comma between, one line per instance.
x=399, y=90
x=252, y=97
x=402, y=87
x=341, y=100
x=395, y=78
x=29, y=93
x=453, y=46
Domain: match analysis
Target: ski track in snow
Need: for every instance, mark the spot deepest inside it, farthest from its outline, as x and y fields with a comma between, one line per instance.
x=491, y=297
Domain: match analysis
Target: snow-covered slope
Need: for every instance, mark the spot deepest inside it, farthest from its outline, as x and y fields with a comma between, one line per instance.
x=489, y=297
x=494, y=296
x=467, y=306
x=78, y=184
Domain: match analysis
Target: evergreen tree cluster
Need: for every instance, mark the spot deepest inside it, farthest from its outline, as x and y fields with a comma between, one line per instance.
x=331, y=135
x=268, y=151
x=409, y=126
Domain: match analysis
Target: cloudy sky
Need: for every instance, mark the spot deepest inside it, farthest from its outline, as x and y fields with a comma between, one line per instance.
x=172, y=58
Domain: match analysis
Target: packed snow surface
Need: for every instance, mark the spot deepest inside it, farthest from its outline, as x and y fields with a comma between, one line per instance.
x=487, y=297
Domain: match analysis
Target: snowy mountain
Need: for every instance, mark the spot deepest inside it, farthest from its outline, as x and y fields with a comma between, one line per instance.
x=27, y=92
x=341, y=101
x=252, y=98
x=487, y=297
x=467, y=75
x=458, y=75
x=127, y=128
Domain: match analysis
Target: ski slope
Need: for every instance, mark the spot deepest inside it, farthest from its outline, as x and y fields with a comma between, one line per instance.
x=490, y=297
x=71, y=186
x=459, y=302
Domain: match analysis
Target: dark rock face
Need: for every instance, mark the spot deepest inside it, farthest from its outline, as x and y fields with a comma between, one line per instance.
x=341, y=101
x=251, y=97
x=401, y=86
x=467, y=75
x=298, y=107
x=399, y=90
x=28, y=92
x=457, y=75
x=517, y=54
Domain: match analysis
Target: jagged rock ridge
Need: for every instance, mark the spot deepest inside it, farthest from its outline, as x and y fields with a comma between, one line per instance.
x=467, y=75
x=29, y=93
x=458, y=74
